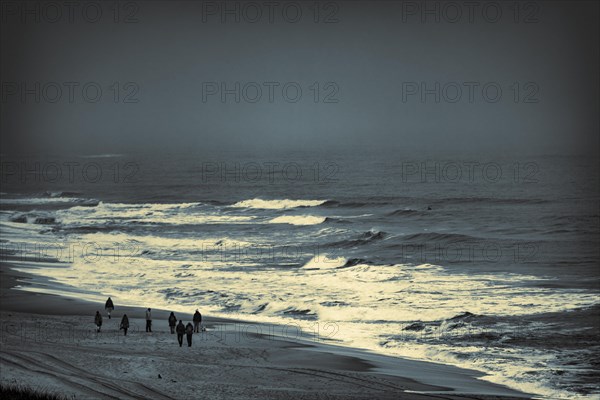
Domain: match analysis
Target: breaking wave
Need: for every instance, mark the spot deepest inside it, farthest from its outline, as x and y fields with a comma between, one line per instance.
x=298, y=220
x=277, y=204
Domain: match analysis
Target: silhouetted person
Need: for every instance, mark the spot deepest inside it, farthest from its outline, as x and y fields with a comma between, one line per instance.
x=124, y=323
x=172, y=322
x=197, y=321
x=148, y=320
x=180, y=331
x=189, y=331
x=109, y=306
x=98, y=321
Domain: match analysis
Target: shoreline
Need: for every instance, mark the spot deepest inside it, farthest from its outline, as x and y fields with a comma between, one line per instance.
x=292, y=368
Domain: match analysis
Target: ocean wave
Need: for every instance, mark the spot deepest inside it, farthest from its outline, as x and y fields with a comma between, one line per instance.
x=494, y=200
x=464, y=316
x=336, y=220
x=44, y=220
x=149, y=244
x=560, y=220
x=276, y=204
x=426, y=201
x=516, y=350
x=405, y=212
x=145, y=213
x=352, y=204
x=21, y=218
x=279, y=307
x=61, y=194
x=439, y=237
x=353, y=262
x=373, y=235
x=91, y=229
x=364, y=239
x=150, y=206
x=324, y=262
x=34, y=201
x=333, y=263
x=527, y=371
x=34, y=218
x=298, y=220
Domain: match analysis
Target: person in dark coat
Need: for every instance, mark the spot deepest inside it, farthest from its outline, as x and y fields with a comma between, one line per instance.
x=180, y=331
x=124, y=323
x=148, y=320
x=197, y=321
x=98, y=321
x=109, y=306
x=189, y=331
x=172, y=322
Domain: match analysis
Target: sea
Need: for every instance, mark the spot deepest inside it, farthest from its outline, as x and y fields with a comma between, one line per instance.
x=488, y=263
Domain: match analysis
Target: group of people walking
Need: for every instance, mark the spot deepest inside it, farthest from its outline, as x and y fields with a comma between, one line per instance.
x=188, y=329
x=175, y=327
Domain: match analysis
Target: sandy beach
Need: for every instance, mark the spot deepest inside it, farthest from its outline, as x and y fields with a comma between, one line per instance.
x=49, y=343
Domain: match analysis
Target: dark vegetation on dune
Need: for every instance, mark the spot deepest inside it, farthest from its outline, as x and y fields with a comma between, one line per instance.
x=18, y=392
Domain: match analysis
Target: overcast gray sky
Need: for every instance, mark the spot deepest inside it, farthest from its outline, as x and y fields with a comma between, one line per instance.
x=361, y=69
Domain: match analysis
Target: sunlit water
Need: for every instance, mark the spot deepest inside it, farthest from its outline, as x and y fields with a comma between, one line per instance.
x=498, y=275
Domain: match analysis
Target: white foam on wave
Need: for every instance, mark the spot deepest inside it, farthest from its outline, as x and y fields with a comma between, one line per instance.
x=519, y=368
x=158, y=213
x=298, y=220
x=429, y=293
x=110, y=240
x=124, y=207
x=277, y=204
